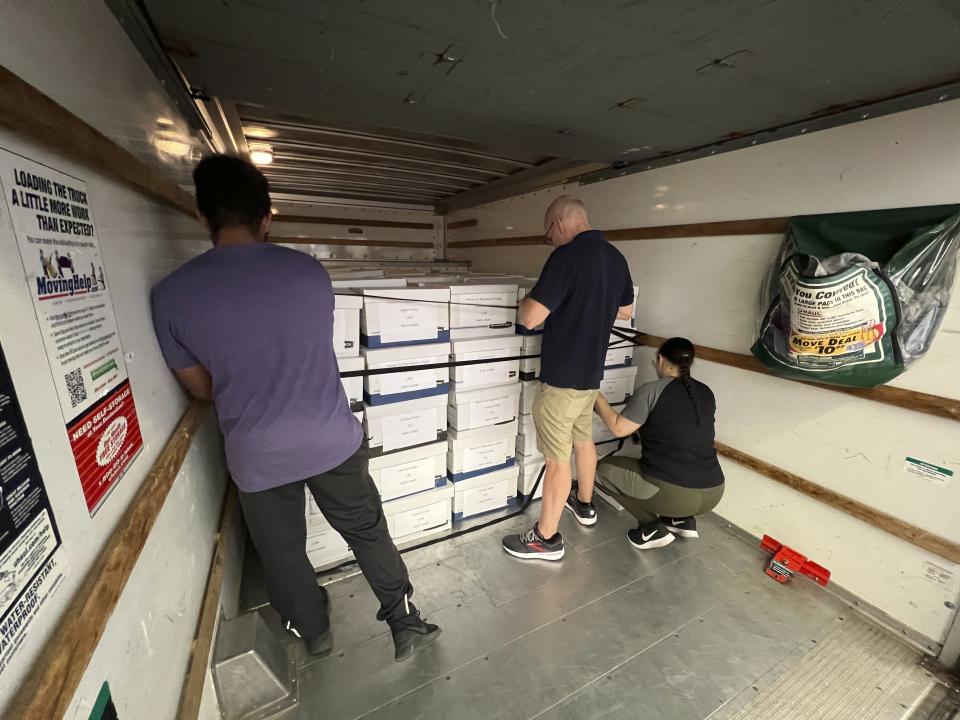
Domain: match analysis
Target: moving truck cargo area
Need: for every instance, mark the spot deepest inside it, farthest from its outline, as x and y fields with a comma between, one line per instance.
x=491, y=359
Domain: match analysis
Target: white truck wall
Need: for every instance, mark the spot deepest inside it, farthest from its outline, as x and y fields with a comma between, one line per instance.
x=707, y=289
x=82, y=59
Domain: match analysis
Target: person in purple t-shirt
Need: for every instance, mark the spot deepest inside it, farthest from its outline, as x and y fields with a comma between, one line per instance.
x=249, y=325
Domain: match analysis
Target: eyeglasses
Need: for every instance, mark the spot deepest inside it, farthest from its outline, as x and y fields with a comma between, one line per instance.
x=546, y=235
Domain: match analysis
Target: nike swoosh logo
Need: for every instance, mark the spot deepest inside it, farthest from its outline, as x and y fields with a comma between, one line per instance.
x=647, y=537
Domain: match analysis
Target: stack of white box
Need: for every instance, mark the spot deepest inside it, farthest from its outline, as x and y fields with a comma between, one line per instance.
x=324, y=544
x=405, y=412
x=445, y=443
x=484, y=399
x=528, y=456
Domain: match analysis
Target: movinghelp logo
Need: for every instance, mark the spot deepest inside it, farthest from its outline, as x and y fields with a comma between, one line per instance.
x=60, y=277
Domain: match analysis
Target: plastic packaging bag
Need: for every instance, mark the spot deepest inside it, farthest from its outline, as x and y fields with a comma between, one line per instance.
x=854, y=298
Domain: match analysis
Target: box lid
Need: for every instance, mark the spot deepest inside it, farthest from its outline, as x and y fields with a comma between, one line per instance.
x=347, y=301
x=531, y=342
x=481, y=286
x=418, y=500
x=466, y=438
x=464, y=397
x=349, y=364
x=440, y=295
x=629, y=371
x=371, y=283
x=509, y=475
x=530, y=463
x=375, y=412
x=404, y=456
x=500, y=342
x=406, y=352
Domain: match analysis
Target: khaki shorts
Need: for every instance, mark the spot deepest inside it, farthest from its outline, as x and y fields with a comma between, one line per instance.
x=563, y=417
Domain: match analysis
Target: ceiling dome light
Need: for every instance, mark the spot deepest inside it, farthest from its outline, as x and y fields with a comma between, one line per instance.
x=172, y=143
x=261, y=154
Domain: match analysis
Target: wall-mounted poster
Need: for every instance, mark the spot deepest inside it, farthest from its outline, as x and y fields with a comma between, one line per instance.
x=32, y=562
x=52, y=220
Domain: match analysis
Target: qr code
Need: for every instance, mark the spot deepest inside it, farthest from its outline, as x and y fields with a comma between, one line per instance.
x=76, y=386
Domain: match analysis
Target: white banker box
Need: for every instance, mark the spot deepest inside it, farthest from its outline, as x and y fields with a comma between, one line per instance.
x=530, y=466
x=528, y=393
x=416, y=516
x=620, y=355
x=484, y=493
x=530, y=367
x=346, y=324
x=409, y=471
x=480, y=408
x=482, y=310
x=617, y=384
x=325, y=546
x=601, y=433
x=485, y=374
x=405, y=424
x=352, y=386
x=474, y=452
x=393, y=317
x=527, y=439
x=410, y=384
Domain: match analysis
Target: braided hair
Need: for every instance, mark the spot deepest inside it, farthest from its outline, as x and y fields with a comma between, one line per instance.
x=680, y=352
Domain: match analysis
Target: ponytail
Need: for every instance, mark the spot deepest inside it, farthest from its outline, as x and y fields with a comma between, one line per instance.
x=680, y=352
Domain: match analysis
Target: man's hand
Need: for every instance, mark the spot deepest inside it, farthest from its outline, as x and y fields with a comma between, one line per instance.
x=197, y=381
x=625, y=312
x=532, y=313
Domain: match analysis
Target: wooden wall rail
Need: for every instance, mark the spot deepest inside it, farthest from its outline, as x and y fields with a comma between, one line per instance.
x=192, y=691
x=346, y=241
x=880, y=520
x=48, y=689
x=355, y=222
x=26, y=110
x=759, y=226
x=898, y=397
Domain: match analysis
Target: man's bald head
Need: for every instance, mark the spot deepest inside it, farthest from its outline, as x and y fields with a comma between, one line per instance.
x=566, y=217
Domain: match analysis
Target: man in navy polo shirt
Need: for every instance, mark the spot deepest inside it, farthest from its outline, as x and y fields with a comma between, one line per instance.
x=249, y=325
x=583, y=288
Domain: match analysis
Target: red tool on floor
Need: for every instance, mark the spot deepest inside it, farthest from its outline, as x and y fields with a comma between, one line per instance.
x=786, y=562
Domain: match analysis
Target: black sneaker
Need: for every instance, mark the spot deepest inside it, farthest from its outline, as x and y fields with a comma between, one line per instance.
x=585, y=513
x=531, y=545
x=411, y=633
x=684, y=527
x=649, y=536
x=322, y=644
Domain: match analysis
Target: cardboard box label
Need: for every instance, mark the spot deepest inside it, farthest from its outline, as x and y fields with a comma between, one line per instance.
x=615, y=389
x=483, y=499
x=408, y=478
x=409, y=429
x=407, y=322
x=400, y=382
x=486, y=374
x=423, y=518
x=488, y=454
x=491, y=412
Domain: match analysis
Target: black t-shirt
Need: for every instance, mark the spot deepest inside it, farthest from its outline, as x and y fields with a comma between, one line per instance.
x=583, y=284
x=675, y=449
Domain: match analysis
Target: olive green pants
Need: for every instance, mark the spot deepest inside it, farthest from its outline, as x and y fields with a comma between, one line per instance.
x=647, y=498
